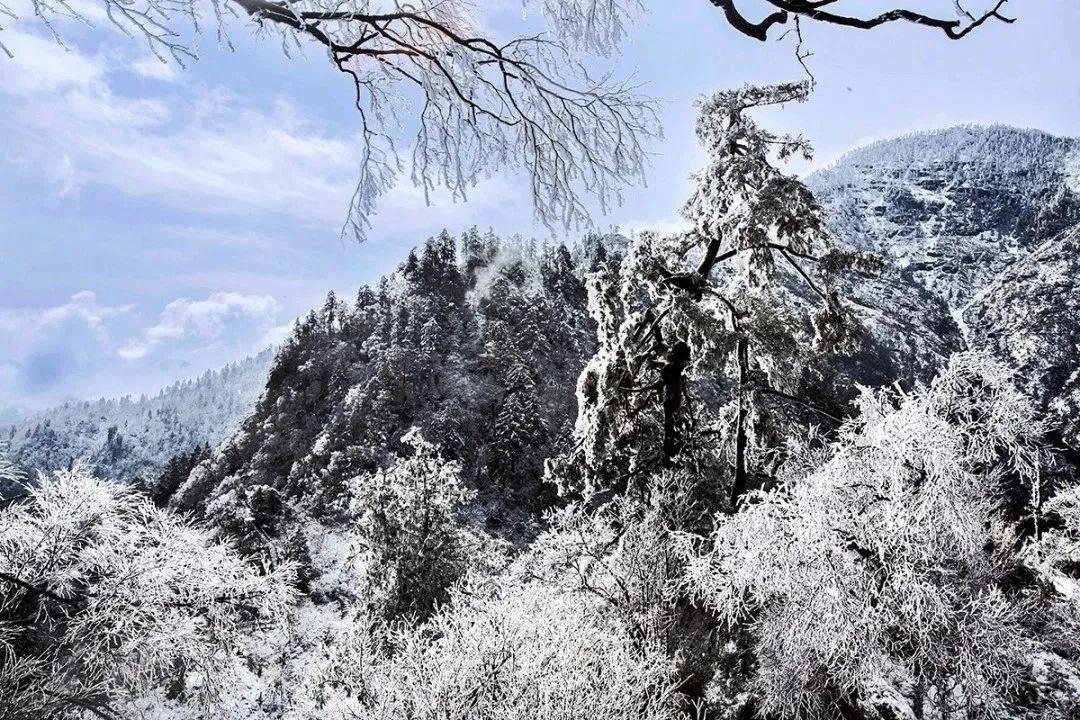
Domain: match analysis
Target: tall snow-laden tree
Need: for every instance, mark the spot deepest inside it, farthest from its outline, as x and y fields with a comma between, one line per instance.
x=428, y=77
x=698, y=329
x=105, y=598
x=520, y=433
x=880, y=567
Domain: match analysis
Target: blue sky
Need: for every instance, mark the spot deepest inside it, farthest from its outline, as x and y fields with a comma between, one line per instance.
x=159, y=221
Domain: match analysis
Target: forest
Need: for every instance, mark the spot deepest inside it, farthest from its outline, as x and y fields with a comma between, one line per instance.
x=812, y=455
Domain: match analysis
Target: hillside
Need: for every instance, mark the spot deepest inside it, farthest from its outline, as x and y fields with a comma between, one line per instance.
x=131, y=439
x=477, y=343
x=978, y=226
x=470, y=333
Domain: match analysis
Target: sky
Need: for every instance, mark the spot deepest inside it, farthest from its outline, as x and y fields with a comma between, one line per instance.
x=158, y=221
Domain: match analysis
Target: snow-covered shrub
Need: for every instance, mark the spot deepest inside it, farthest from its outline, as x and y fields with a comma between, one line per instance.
x=622, y=552
x=104, y=597
x=1059, y=548
x=879, y=558
x=506, y=652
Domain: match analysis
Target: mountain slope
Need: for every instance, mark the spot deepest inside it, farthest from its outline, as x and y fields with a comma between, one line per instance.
x=950, y=209
x=478, y=346
x=1030, y=316
x=979, y=223
x=132, y=439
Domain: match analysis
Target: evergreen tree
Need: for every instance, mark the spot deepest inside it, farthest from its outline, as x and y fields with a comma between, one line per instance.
x=697, y=330
x=405, y=528
x=520, y=432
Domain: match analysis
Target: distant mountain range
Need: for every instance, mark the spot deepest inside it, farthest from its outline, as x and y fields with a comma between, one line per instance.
x=131, y=439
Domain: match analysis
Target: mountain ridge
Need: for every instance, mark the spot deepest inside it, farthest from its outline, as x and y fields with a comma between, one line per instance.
x=134, y=437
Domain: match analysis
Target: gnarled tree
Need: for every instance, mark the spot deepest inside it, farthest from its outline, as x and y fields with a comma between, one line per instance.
x=847, y=14
x=710, y=313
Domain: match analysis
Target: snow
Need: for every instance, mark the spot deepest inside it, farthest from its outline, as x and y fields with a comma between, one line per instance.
x=147, y=431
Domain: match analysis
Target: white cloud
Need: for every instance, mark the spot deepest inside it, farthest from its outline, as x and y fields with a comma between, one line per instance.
x=154, y=68
x=75, y=349
x=44, y=349
x=21, y=328
x=203, y=319
x=193, y=148
x=41, y=66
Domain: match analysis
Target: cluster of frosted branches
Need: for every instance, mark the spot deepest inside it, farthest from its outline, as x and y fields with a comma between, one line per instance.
x=880, y=555
x=103, y=596
x=598, y=26
x=501, y=652
x=467, y=105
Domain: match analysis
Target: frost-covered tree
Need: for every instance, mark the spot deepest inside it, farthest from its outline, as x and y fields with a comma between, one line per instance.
x=406, y=531
x=721, y=310
x=502, y=651
x=880, y=568
x=105, y=598
x=428, y=77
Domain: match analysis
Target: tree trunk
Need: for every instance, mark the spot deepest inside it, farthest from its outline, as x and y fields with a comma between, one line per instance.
x=738, y=486
x=671, y=375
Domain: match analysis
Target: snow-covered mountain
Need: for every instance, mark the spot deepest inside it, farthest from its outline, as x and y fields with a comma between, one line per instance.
x=952, y=208
x=979, y=230
x=132, y=438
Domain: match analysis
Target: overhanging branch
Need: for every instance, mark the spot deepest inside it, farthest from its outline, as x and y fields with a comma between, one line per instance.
x=822, y=11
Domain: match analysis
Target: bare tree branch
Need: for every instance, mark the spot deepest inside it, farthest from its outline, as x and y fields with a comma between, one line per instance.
x=819, y=11
x=466, y=105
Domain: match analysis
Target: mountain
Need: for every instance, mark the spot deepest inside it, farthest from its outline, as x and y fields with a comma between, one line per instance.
x=390, y=477
x=978, y=227
x=478, y=343
x=952, y=208
x=132, y=439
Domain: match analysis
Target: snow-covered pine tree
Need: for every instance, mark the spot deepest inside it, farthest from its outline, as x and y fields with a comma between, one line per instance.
x=698, y=330
x=520, y=434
